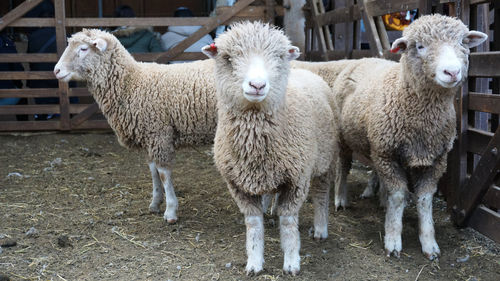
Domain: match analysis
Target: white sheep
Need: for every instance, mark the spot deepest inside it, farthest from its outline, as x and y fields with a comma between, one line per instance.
x=151, y=107
x=276, y=131
x=401, y=116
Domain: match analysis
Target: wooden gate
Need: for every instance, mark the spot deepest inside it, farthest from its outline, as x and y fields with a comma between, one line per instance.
x=78, y=116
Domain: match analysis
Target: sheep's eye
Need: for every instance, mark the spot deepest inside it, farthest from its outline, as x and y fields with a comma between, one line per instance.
x=226, y=57
x=83, y=49
x=420, y=46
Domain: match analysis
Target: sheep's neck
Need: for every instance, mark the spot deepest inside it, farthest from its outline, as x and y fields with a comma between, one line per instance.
x=107, y=83
x=423, y=92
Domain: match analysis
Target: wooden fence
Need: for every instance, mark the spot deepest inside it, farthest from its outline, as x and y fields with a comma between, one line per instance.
x=84, y=115
x=471, y=185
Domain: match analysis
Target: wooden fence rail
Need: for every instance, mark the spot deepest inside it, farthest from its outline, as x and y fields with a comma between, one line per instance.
x=78, y=116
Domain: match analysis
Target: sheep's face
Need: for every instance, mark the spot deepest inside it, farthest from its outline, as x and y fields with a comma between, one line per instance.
x=437, y=47
x=252, y=63
x=80, y=56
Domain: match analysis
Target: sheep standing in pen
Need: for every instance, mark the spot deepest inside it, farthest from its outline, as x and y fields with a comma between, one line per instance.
x=401, y=116
x=152, y=107
x=276, y=131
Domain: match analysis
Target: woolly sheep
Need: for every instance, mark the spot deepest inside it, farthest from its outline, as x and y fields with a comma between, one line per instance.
x=401, y=116
x=276, y=131
x=151, y=107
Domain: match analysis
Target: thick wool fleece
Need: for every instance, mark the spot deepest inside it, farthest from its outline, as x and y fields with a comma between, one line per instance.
x=148, y=105
x=396, y=111
x=279, y=144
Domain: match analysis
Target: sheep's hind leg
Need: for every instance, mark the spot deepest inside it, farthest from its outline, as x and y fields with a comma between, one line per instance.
x=343, y=167
x=320, y=195
x=170, y=215
x=157, y=189
x=371, y=187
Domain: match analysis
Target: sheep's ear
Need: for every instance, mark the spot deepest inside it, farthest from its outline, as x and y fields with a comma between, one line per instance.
x=399, y=46
x=210, y=50
x=474, y=38
x=100, y=44
x=293, y=53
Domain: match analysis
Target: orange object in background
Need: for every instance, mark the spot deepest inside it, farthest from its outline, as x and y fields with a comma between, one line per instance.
x=399, y=20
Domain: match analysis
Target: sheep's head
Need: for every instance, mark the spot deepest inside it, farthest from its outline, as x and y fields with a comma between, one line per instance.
x=85, y=51
x=252, y=63
x=437, y=47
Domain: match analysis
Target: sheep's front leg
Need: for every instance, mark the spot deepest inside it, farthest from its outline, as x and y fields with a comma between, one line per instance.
x=170, y=215
x=394, y=223
x=254, y=243
x=427, y=238
x=289, y=203
x=425, y=187
x=290, y=243
x=393, y=179
x=321, y=198
x=251, y=207
x=343, y=167
x=157, y=189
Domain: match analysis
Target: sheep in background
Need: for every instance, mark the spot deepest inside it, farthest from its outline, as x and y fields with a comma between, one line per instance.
x=276, y=131
x=401, y=116
x=151, y=107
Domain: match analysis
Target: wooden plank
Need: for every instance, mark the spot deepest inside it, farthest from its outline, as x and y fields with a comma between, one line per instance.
x=339, y=15
x=371, y=29
x=481, y=179
x=28, y=93
x=492, y=198
x=79, y=92
x=477, y=2
x=477, y=140
x=18, y=12
x=93, y=125
x=485, y=64
x=33, y=75
x=24, y=57
x=84, y=115
x=13, y=126
x=153, y=21
x=380, y=8
x=33, y=22
x=487, y=222
x=484, y=102
x=40, y=109
x=188, y=56
x=213, y=23
x=252, y=11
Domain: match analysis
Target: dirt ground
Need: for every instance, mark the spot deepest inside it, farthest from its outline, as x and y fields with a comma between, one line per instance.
x=78, y=210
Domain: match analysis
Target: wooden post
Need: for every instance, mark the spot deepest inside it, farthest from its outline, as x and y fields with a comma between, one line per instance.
x=270, y=13
x=60, y=17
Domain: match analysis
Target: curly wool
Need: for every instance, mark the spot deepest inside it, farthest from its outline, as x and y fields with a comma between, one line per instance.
x=148, y=105
x=284, y=140
x=396, y=110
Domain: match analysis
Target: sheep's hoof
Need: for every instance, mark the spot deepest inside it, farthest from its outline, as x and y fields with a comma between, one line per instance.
x=340, y=207
x=253, y=270
x=292, y=272
x=395, y=253
x=432, y=256
x=171, y=221
x=154, y=208
x=319, y=238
